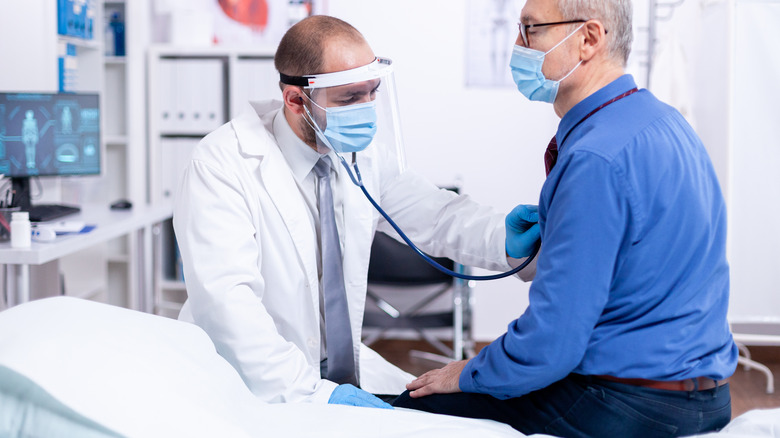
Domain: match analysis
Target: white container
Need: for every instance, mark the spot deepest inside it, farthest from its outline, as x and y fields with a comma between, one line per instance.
x=21, y=233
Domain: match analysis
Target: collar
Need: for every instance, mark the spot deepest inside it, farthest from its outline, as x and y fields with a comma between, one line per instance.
x=573, y=117
x=300, y=157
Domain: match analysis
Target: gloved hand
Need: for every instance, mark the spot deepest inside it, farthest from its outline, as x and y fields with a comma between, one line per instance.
x=522, y=231
x=349, y=395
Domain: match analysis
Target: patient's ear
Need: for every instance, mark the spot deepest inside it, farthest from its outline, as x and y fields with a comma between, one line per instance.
x=595, y=40
x=293, y=98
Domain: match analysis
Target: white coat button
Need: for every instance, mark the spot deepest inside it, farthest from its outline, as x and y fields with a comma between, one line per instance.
x=311, y=342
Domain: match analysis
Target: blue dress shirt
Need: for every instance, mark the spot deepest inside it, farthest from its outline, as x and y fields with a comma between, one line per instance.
x=632, y=280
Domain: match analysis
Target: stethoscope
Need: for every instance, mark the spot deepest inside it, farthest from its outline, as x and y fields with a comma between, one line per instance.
x=358, y=181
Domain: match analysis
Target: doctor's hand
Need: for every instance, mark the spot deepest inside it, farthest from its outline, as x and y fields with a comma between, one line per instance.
x=441, y=381
x=522, y=231
x=349, y=395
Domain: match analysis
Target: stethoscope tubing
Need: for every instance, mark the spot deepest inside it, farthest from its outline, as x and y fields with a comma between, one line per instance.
x=358, y=181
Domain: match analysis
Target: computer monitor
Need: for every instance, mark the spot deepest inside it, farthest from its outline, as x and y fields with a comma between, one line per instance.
x=47, y=134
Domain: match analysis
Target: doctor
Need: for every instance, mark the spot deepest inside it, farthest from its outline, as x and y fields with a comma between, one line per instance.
x=276, y=239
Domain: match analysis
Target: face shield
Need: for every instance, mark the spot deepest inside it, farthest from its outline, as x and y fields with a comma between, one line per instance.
x=355, y=111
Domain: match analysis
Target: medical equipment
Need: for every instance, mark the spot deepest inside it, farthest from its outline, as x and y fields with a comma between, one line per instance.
x=358, y=181
x=43, y=234
x=371, y=89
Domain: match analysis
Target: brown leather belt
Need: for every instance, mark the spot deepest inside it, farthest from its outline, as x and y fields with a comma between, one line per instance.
x=698, y=383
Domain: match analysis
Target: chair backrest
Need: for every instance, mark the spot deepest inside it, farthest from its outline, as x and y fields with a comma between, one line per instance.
x=395, y=263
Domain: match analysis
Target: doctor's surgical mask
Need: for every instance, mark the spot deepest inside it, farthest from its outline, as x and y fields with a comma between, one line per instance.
x=349, y=128
x=526, y=66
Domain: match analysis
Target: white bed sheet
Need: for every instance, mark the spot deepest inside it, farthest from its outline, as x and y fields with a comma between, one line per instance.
x=142, y=375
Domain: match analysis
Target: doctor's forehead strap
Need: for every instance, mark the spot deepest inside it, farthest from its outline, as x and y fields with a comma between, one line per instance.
x=300, y=81
x=378, y=68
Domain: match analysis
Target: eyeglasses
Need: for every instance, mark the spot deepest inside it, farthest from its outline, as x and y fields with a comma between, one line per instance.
x=524, y=28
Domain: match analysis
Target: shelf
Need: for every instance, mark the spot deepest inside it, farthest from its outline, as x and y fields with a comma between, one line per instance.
x=167, y=305
x=172, y=285
x=115, y=140
x=115, y=60
x=118, y=258
x=184, y=133
x=80, y=42
x=87, y=294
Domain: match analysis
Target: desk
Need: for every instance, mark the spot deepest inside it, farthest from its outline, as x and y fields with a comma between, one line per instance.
x=109, y=224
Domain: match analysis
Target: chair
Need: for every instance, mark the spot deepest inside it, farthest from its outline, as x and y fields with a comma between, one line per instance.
x=395, y=268
x=743, y=340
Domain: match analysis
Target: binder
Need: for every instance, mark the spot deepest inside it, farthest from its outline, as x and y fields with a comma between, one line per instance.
x=190, y=85
x=200, y=97
x=67, y=63
x=167, y=95
x=175, y=154
x=210, y=100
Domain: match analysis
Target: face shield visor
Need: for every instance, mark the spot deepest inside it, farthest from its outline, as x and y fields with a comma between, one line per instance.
x=355, y=111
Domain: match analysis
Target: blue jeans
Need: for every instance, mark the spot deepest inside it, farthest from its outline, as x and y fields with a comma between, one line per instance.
x=583, y=406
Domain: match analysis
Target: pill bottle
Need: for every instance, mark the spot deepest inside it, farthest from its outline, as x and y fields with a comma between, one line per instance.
x=21, y=234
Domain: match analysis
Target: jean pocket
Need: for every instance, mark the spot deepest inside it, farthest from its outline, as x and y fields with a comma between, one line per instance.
x=596, y=414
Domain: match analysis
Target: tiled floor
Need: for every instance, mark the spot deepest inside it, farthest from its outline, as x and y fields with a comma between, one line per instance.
x=748, y=388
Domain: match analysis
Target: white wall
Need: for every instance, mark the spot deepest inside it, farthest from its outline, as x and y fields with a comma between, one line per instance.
x=492, y=140
x=729, y=71
x=754, y=161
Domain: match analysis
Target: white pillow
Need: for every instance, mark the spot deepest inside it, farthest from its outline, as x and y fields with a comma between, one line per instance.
x=134, y=373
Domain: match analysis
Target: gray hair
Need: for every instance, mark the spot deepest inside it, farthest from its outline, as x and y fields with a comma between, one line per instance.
x=615, y=15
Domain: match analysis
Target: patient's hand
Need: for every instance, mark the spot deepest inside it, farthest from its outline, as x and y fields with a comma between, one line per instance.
x=441, y=381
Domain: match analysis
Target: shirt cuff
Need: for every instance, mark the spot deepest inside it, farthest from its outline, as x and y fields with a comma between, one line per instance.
x=466, y=381
x=529, y=272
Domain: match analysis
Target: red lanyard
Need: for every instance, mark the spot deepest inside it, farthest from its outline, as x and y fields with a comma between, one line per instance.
x=613, y=100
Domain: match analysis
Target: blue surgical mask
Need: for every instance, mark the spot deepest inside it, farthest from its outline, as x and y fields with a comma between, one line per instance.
x=349, y=128
x=526, y=65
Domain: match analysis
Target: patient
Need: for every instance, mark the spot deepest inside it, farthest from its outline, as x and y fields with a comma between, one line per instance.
x=626, y=332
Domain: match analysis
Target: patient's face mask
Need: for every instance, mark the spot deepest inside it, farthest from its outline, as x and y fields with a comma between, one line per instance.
x=349, y=128
x=526, y=65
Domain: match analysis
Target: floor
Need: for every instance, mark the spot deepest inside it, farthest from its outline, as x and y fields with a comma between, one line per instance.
x=748, y=388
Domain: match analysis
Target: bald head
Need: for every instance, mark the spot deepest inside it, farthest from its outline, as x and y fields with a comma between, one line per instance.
x=311, y=45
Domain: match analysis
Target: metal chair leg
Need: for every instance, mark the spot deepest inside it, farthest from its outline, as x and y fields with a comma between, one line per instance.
x=770, y=380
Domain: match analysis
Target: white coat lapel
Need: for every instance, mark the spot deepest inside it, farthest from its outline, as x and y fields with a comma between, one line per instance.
x=255, y=137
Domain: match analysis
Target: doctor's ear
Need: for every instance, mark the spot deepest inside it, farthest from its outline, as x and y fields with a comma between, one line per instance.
x=293, y=99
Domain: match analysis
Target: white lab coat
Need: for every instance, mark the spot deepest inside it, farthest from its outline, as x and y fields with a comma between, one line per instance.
x=249, y=253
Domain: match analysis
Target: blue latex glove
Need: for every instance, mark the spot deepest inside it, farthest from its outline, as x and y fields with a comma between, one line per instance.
x=349, y=395
x=522, y=231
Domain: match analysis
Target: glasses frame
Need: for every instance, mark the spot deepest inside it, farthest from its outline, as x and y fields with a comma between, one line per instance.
x=524, y=28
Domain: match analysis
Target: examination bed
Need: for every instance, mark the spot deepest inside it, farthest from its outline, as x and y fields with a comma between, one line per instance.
x=70, y=367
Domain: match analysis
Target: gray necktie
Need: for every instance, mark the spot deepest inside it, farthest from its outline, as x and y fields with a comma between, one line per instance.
x=338, y=331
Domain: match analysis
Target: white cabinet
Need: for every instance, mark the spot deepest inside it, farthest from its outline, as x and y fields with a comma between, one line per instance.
x=192, y=91
x=30, y=52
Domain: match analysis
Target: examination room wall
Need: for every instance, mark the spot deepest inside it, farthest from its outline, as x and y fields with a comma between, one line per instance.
x=491, y=140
